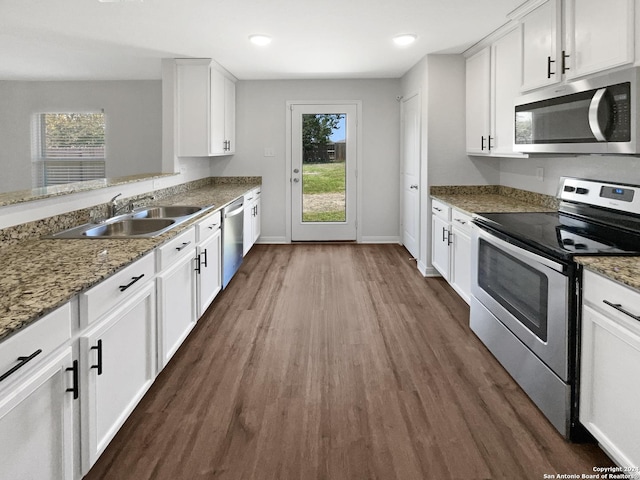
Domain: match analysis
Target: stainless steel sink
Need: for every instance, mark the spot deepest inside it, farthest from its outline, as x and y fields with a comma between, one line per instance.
x=173, y=211
x=144, y=222
x=130, y=227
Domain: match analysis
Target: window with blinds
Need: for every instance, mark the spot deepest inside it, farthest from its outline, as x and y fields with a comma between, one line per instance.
x=68, y=147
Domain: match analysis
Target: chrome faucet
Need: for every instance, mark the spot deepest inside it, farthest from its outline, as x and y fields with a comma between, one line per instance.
x=127, y=207
x=112, y=206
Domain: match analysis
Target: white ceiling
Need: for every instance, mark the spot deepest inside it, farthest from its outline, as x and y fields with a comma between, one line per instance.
x=87, y=39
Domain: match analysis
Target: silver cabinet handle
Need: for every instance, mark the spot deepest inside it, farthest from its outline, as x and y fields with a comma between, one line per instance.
x=437, y=209
x=462, y=222
x=414, y=187
x=619, y=307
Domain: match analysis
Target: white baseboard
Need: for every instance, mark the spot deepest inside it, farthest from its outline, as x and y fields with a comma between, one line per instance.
x=272, y=240
x=380, y=239
x=429, y=271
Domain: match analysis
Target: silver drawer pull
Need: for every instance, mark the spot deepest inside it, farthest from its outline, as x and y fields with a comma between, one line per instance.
x=212, y=226
x=437, y=209
x=460, y=221
x=183, y=246
x=618, y=307
x=22, y=362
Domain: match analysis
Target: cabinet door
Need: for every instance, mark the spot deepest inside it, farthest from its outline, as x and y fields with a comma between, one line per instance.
x=461, y=262
x=478, y=78
x=230, y=115
x=247, y=223
x=192, y=101
x=176, y=305
x=118, y=366
x=37, y=423
x=256, y=220
x=600, y=35
x=440, y=253
x=217, y=135
x=506, y=76
x=610, y=366
x=541, y=42
x=209, y=279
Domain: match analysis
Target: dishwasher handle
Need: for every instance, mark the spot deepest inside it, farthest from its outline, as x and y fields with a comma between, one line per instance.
x=234, y=212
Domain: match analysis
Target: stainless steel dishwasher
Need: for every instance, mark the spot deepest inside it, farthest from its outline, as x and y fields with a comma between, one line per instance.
x=232, y=239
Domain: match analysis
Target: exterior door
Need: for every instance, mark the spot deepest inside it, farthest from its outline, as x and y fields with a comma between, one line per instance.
x=411, y=174
x=323, y=172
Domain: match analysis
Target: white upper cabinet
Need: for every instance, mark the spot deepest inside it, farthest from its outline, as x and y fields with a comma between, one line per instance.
x=478, y=91
x=541, y=42
x=205, y=108
x=506, y=68
x=493, y=80
x=599, y=35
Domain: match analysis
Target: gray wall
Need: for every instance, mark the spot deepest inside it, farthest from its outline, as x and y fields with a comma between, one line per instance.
x=521, y=172
x=134, y=123
x=261, y=123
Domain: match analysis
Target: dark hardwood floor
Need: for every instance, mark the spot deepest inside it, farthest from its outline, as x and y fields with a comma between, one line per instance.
x=337, y=362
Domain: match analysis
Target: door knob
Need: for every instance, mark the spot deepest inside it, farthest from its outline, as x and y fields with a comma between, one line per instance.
x=415, y=187
x=296, y=180
x=295, y=170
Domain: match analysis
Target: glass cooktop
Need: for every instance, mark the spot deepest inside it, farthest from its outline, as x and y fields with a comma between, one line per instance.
x=561, y=235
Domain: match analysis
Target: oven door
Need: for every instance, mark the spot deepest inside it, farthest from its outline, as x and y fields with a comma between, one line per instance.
x=527, y=293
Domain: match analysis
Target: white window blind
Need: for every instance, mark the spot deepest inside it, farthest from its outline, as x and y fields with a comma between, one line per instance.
x=68, y=147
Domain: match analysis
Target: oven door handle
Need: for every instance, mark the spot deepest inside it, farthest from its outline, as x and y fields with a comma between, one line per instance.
x=519, y=251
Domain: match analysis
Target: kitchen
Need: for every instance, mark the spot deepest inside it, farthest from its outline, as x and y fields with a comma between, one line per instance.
x=444, y=159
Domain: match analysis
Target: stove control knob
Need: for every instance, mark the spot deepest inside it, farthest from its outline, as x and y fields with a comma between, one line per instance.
x=569, y=188
x=582, y=191
x=580, y=246
x=567, y=241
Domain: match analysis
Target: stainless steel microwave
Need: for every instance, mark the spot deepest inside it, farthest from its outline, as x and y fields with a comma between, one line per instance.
x=594, y=115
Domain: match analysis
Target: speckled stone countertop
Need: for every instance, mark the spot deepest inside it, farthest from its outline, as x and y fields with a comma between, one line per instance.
x=625, y=270
x=20, y=196
x=37, y=276
x=493, y=198
x=486, y=199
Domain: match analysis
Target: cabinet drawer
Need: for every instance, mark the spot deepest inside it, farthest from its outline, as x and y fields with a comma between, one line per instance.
x=34, y=343
x=208, y=226
x=105, y=296
x=440, y=210
x=613, y=299
x=460, y=220
x=176, y=248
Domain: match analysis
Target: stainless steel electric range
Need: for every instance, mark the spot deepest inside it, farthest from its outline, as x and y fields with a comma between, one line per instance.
x=525, y=286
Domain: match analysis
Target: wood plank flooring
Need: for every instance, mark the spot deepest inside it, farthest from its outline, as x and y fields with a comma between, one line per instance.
x=337, y=362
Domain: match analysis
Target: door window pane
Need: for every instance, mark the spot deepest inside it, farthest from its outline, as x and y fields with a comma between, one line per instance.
x=324, y=167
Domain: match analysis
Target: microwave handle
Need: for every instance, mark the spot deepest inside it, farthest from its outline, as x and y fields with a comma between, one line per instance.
x=594, y=108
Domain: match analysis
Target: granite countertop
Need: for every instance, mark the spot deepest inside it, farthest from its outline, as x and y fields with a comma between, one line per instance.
x=486, y=199
x=625, y=270
x=37, y=276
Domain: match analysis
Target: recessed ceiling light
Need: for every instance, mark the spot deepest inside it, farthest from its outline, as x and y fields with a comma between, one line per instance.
x=261, y=40
x=404, y=39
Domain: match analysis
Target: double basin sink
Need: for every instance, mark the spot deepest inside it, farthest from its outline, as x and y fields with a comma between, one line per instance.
x=143, y=222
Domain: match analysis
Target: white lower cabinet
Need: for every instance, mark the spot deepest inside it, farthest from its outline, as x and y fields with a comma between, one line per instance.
x=37, y=422
x=460, y=272
x=208, y=262
x=252, y=214
x=176, y=294
x=118, y=366
x=451, y=246
x=610, y=367
x=440, y=237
